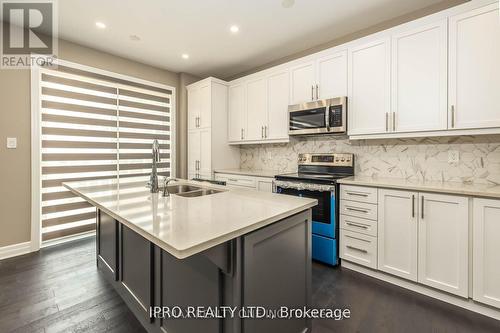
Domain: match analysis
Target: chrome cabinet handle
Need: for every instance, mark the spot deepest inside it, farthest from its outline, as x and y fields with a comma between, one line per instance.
x=356, y=225
x=453, y=116
x=266, y=131
x=422, y=211
x=357, y=210
x=262, y=132
x=394, y=121
x=413, y=205
x=387, y=121
x=232, y=180
x=356, y=248
x=312, y=92
x=317, y=91
x=242, y=134
x=358, y=194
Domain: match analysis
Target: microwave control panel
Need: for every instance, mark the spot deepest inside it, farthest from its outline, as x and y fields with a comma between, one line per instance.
x=336, y=116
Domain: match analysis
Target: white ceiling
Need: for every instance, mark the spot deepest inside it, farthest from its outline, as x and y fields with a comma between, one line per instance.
x=268, y=31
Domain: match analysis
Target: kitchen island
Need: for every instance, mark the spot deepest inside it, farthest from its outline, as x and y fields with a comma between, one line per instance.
x=215, y=249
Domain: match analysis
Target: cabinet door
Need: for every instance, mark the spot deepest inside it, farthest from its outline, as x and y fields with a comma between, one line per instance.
x=486, y=272
x=278, y=100
x=194, y=150
x=302, y=83
x=419, y=79
x=475, y=69
x=397, y=233
x=332, y=75
x=256, y=109
x=443, y=242
x=237, y=113
x=205, y=107
x=193, y=108
x=265, y=185
x=205, y=164
x=369, y=87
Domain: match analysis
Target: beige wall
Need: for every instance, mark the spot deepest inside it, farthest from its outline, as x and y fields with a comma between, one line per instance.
x=15, y=113
x=184, y=80
x=362, y=33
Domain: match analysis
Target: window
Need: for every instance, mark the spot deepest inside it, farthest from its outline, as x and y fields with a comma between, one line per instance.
x=94, y=125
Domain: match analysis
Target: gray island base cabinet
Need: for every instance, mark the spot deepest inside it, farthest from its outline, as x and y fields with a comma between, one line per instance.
x=269, y=267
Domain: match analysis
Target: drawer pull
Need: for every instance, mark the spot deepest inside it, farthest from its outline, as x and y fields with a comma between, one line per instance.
x=356, y=238
x=358, y=194
x=232, y=180
x=356, y=248
x=357, y=210
x=356, y=225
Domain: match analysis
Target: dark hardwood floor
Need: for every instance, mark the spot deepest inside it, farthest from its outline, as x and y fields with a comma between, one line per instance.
x=60, y=290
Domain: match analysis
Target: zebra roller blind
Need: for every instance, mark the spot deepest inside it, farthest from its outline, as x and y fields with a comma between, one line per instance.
x=95, y=126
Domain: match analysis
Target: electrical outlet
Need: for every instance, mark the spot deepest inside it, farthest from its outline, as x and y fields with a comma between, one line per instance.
x=11, y=143
x=453, y=156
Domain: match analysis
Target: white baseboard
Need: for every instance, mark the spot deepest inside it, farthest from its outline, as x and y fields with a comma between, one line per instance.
x=15, y=250
x=465, y=303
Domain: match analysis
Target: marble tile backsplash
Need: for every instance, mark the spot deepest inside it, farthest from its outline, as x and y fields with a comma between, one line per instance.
x=413, y=159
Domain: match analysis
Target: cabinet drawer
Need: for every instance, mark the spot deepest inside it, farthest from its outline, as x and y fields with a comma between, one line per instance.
x=235, y=180
x=356, y=224
x=358, y=209
x=358, y=193
x=358, y=248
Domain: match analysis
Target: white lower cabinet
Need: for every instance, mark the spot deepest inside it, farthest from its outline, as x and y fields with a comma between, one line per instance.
x=421, y=237
x=358, y=248
x=263, y=184
x=397, y=233
x=486, y=251
x=443, y=249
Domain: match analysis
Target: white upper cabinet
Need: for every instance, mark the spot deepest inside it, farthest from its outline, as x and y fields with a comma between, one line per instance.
x=331, y=75
x=278, y=99
x=237, y=113
x=205, y=107
x=419, y=79
x=486, y=249
x=199, y=107
x=257, y=109
x=397, y=233
x=443, y=236
x=369, y=87
x=302, y=83
x=325, y=77
x=193, y=108
x=474, y=69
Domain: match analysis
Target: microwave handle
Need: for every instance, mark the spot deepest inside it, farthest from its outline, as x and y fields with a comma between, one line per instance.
x=327, y=118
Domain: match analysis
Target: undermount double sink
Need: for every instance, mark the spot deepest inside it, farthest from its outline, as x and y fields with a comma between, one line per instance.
x=190, y=191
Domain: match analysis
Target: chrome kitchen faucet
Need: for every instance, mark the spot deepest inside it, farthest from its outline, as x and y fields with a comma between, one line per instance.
x=153, y=179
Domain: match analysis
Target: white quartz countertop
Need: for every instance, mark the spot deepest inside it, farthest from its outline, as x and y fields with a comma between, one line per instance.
x=185, y=226
x=476, y=190
x=248, y=172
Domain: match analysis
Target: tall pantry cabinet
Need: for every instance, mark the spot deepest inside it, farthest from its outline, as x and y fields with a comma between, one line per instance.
x=207, y=129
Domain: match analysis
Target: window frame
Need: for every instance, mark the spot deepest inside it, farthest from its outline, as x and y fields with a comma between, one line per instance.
x=36, y=155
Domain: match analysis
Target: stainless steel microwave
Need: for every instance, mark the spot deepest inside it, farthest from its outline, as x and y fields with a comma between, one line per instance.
x=327, y=116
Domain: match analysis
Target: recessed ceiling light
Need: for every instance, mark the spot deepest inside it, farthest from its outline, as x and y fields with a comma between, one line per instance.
x=100, y=25
x=287, y=3
x=234, y=29
x=134, y=38
x=185, y=56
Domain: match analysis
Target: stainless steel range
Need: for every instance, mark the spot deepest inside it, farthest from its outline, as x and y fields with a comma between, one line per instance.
x=316, y=178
